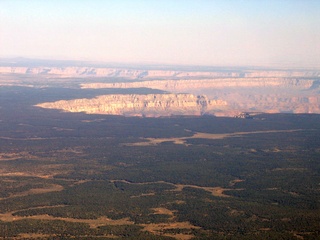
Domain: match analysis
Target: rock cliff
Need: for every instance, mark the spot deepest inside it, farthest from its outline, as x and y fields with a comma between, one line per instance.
x=150, y=105
x=147, y=74
x=243, y=94
x=238, y=90
x=216, y=83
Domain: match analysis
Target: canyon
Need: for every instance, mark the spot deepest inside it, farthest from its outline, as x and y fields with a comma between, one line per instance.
x=151, y=73
x=218, y=92
x=150, y=105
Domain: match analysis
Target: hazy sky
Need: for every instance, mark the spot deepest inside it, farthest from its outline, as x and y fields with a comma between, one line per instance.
x=200, y=32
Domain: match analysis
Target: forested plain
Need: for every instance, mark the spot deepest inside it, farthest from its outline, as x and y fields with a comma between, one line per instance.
x=72, y=175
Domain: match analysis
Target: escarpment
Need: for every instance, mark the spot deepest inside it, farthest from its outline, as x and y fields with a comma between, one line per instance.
x=237, y=89
x=145, y=74
x=150, y=105
x=274, y=95
x=218, y=83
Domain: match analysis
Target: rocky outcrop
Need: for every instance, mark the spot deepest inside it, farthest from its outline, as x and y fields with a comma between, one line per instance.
x=151, y=74
x=279, y=102
x=217, y=83
x=243, y=94
x=150, y=105
x=239, y=90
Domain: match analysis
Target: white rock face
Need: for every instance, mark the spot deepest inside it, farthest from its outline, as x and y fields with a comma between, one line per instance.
x=150, y=105
x=272, y=95
x=273, y=91
x=218, y=83
x=132, y=73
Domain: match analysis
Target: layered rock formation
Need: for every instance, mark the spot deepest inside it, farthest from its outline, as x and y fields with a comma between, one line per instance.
x=237, y=90
x=271, y=95
x=134, y=73
x=150, y=105
x=217, y=83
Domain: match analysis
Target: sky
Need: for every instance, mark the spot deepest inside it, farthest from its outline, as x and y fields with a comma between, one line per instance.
x=182, y=32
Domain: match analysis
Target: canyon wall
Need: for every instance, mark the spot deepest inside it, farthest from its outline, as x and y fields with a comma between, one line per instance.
x=272, y=95
x=150, y=105
x=226, y=92
x=191, y=84
x=137, y=73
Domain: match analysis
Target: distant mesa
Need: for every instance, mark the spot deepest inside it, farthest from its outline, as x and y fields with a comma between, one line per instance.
x=151, y=74
x=149, y=105
x=222, y=92
x=261, y=94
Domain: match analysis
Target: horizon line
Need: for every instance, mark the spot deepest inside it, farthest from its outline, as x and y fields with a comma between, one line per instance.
x=24, y=60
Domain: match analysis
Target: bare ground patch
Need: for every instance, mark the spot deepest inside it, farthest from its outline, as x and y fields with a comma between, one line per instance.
x=143, y=195
x=215, y=191
x=212, y=136
x=6, y=156
x=49, y=188
x=234, y=182
x=159, y=228
x=42, y=171
x=93, y=223
x=162, y=210
x=33, y=191
x=34, y=236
